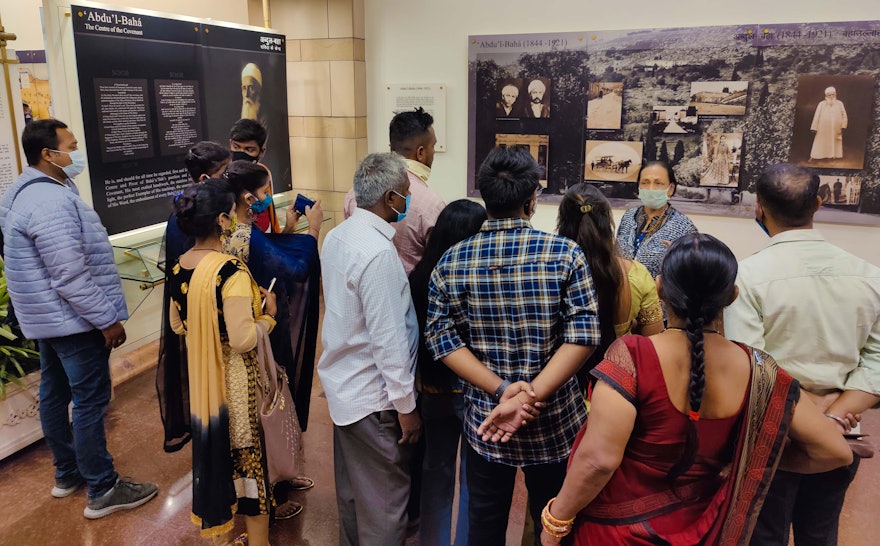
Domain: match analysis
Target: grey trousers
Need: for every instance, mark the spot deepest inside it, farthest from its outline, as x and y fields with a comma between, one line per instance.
x=372, y=481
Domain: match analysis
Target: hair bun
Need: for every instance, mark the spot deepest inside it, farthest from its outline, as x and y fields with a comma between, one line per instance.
x=185, y=202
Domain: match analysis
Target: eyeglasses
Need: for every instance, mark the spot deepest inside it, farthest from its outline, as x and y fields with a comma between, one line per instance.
x=539, y=191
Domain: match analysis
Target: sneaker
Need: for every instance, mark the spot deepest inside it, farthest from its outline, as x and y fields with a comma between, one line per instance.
x=125, y=495
x=67, y=486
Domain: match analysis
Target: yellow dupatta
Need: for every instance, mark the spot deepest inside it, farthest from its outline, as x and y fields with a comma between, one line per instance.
x=214, y=496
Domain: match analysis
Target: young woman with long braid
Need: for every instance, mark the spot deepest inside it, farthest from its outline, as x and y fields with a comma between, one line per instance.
x=686, y=427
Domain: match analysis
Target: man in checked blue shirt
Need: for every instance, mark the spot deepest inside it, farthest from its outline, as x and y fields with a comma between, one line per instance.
x=513, y=312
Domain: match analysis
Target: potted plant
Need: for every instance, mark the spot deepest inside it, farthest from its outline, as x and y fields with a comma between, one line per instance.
x=17, y=354
x=19, y=383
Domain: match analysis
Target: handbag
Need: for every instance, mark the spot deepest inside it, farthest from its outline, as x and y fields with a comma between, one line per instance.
x=861, y=447
x=282, y=436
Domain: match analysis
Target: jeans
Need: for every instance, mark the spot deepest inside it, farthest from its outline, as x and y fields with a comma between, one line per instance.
x=490, y=486
x=77, y=368
x=809, y=502
x=442, y=418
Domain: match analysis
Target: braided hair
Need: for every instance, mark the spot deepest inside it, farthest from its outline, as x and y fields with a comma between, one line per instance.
x=698, y=280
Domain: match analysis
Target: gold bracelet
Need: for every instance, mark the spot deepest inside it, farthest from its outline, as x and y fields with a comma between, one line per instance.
x=554, y=527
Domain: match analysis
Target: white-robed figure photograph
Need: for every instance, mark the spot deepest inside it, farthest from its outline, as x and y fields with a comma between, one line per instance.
x=833, y=132
x=828, y=125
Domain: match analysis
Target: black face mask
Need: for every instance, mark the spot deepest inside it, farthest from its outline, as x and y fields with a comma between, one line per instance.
x=243, y=156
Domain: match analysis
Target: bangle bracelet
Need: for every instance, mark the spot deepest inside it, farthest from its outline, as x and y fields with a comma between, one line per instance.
x=554, y=527
x=500, y=390
x=840, y=420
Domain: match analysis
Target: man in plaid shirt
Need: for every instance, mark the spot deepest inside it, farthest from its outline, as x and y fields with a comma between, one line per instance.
x=513, y=312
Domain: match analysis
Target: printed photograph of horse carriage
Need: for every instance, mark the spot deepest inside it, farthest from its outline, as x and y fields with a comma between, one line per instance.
x=612, y=160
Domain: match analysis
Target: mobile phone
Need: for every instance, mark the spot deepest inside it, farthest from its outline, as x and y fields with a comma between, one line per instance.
x=301, y=203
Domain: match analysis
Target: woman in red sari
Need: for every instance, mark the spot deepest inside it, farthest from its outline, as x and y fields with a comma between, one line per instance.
x=686, y=428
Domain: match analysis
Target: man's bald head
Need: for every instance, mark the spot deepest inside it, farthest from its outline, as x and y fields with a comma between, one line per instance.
x=789, y=194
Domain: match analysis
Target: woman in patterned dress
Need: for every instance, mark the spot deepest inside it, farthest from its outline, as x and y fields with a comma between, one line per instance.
x=646, y=232
x=292, y=259
x=217, y=305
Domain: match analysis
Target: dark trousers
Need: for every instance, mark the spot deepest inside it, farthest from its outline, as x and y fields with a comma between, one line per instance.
x=490, y=486
x=77, y=368
x=811, y=503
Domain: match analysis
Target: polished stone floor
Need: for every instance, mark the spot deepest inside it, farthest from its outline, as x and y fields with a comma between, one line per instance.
x=29, y=515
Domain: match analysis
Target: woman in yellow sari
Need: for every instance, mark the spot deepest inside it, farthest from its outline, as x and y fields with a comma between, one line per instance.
x=217, y=305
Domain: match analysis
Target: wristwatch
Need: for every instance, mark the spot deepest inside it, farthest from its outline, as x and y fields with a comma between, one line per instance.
x=500, y=390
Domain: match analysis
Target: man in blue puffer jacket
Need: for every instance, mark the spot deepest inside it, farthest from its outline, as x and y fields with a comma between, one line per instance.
x=63, y=282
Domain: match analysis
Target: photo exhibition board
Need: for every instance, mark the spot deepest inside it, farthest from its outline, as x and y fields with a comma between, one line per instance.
x=717, y=103
x=151, y=85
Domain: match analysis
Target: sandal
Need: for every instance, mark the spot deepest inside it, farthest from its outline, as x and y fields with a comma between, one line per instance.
x=240, y=540
x=287, y=510
x=301, y=483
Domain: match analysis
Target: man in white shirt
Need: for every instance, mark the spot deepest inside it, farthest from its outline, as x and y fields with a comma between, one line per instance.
x=411, y=135
x=370, y=338
x=816, y=309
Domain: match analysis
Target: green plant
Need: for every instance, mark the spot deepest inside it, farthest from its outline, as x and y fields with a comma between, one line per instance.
x=17, y=354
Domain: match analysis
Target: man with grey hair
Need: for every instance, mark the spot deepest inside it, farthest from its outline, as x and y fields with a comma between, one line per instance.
x=537, y=108
x=816, y=309
x=370, y=338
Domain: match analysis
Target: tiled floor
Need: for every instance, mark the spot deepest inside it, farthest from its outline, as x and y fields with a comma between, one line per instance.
x=30, y=516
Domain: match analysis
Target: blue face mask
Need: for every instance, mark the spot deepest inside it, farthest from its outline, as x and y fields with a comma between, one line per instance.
x=77, y=165
x=762, y=226
x=259, y=207
x=402, y=215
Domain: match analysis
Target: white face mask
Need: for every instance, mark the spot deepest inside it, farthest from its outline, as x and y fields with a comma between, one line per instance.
x=77, y=165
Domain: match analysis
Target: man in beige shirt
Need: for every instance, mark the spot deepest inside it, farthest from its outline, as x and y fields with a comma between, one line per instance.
x=412, y=136
x=816, y=309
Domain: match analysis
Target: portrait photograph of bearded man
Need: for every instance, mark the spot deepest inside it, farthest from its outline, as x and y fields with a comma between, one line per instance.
x=832, y=120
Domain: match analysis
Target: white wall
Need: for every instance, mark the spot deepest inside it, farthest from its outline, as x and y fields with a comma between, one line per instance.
x=414, y=41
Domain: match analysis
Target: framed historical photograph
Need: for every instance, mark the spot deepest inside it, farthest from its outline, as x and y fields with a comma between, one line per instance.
x=538, y=146
x=511, y=102
x=604, y=105
x=721, y=159
x=727, y=98
x=612, y=160
x=840, y=189
x=832, y=121
x=536, y=92
x=674, y=120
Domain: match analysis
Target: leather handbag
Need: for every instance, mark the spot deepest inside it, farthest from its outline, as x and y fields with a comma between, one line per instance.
x=282, y=436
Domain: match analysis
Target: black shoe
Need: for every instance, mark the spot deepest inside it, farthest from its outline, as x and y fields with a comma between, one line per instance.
x=125, y=495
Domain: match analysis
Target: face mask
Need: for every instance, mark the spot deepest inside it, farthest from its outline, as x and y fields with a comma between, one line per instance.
x=260, y=206
x=77, y=165
x=653, y=199
x=762, y=226
x=402, y=215
x=243, y=156
x=231, y=229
